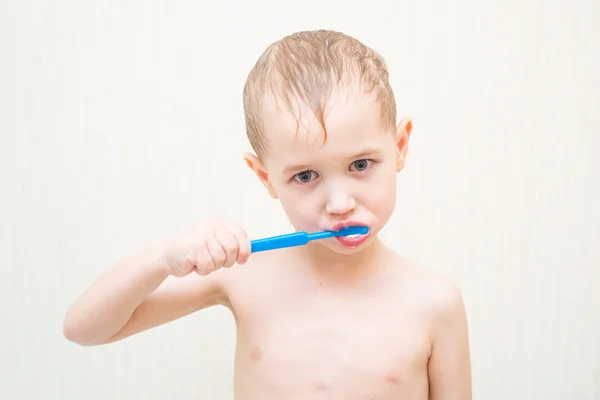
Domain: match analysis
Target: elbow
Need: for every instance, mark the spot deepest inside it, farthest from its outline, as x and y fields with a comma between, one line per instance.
x=75, y=332
x=86, y=334
x=72, y=335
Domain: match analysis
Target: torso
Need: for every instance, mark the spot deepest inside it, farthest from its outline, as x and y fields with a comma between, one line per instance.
x=300, y=337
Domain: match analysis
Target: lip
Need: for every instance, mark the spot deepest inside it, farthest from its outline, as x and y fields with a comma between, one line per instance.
x=347, y=241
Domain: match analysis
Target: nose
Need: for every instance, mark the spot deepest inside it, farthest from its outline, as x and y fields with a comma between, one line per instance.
x=340, y=201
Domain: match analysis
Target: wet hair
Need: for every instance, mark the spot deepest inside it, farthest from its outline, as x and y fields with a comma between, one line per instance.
x=305, y=67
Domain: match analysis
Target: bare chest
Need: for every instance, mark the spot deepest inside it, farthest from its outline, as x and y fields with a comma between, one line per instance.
x=332, y=347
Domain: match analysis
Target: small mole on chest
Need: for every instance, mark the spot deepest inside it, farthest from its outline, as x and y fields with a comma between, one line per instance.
x=392, y=378
x=255, y=354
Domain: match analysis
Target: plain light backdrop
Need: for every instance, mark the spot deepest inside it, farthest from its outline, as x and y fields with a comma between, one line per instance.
x=121, y=123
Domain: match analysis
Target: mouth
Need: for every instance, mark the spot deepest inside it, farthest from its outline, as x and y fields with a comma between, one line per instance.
x=351, y=240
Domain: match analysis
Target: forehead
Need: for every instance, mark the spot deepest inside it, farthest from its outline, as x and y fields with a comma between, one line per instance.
x=352, y=120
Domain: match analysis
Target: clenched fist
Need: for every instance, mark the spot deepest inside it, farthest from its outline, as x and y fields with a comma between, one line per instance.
x=206, y=247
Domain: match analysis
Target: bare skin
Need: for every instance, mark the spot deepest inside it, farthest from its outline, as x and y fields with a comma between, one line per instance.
x=330, y=334
x=310, y=332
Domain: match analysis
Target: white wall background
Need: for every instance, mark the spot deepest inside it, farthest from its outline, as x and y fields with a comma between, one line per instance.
x=121, y=122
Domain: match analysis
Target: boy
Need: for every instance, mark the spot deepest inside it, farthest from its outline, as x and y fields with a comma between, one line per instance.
x=342, y=318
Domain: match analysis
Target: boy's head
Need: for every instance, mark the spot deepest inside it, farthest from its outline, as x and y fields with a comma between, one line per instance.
x=321, y=118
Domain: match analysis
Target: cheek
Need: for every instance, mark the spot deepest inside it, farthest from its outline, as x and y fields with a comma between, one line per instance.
x=301, y=210
x=381, y=195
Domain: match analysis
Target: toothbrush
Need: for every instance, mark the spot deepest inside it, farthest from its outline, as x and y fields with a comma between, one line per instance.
x=302, y=238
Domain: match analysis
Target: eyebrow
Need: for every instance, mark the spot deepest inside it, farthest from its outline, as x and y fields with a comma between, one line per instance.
x=358, y=156
x=368, y=152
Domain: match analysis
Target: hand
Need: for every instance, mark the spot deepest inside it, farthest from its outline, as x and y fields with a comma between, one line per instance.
x=207, y=247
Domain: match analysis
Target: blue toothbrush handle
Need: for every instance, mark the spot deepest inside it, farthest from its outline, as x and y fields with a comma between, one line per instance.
x=278, y=242
x=301, y=238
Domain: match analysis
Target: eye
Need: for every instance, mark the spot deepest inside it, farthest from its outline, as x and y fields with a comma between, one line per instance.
x=304, y=176
x=362, y=165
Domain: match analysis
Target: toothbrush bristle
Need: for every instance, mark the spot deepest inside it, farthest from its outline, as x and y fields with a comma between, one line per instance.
x=355, y=230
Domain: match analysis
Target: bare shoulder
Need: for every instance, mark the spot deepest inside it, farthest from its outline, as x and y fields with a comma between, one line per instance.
x=442, y=292
x=437, y=294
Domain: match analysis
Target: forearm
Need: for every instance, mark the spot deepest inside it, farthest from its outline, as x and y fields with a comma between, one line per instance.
x=108, y=304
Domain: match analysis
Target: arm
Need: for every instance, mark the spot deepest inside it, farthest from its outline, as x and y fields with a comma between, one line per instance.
x=135, y=295
x=449, y=363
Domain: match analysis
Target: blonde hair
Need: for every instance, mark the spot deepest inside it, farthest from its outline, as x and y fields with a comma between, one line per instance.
x=305, y=67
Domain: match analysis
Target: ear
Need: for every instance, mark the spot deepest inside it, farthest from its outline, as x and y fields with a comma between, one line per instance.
x=256, y=166
x=403, y=131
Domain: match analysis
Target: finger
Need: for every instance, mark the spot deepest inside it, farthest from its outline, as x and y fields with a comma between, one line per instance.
x=244, y=246
x=203, y=261
x=229, y=245
x=218, y=255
